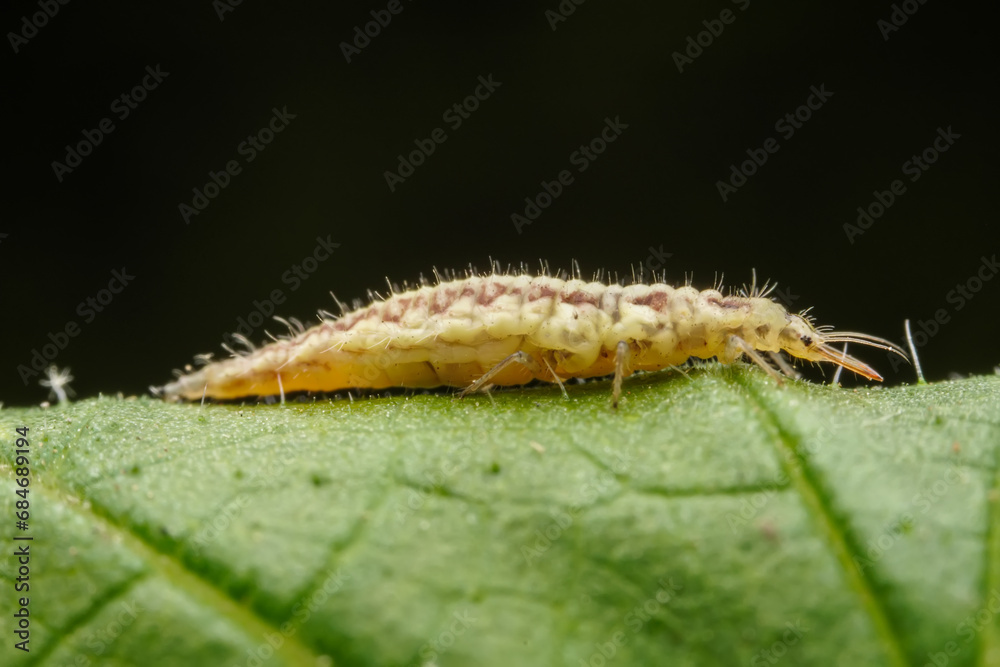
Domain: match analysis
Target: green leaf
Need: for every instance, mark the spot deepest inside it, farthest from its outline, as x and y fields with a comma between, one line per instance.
x=714, y=519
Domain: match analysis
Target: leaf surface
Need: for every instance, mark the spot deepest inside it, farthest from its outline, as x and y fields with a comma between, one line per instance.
x=714, y=519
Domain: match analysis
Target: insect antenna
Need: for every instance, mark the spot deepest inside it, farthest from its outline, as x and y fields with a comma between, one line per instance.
x=834, y=355
x=864, y=339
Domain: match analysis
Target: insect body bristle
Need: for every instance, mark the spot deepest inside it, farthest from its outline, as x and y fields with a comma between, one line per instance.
x=203, y=359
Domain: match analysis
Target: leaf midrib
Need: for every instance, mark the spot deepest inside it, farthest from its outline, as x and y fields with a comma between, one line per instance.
x=805, y=480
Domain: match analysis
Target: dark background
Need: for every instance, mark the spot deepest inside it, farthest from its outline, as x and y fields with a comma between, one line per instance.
x=324, y=175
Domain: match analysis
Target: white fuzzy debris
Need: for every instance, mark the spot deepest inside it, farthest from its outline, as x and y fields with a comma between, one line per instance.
x=58, y=381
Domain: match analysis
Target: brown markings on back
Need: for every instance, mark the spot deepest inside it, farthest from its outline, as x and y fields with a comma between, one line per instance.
x=491, y=292
x=394, y=309
x=540, y=292
x=580, y=297
x=655, y=300
x=733, y=302
x=360, y=316
x=443, y=298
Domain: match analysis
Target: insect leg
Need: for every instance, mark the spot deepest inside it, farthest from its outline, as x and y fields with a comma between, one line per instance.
x=519, y=357
x=736, y=343
x=622, y=354
x=785, y=367
x=562, y=387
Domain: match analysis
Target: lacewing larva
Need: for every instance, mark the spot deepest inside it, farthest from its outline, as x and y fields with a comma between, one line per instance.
x=511, y=328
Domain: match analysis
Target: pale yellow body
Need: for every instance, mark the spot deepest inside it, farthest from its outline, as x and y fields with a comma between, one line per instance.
x=454, y=332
